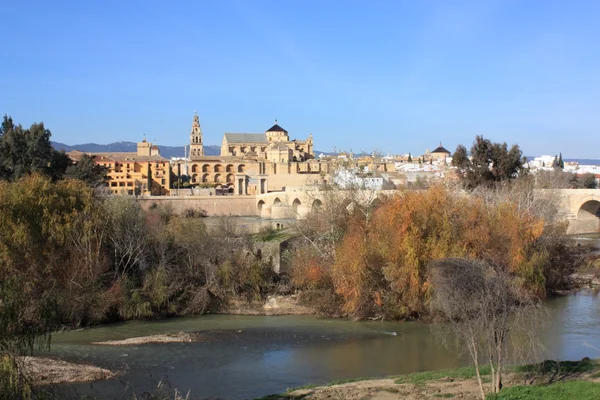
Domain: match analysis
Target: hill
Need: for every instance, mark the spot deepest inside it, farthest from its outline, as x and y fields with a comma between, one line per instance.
x=165, y=151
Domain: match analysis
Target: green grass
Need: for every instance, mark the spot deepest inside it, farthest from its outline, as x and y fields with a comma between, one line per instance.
x=563, y=367
x=573, y=390
x=444, y=395
x=273, y=235
x=552, y=370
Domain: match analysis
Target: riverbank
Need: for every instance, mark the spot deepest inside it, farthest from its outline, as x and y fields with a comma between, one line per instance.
x=549, y=380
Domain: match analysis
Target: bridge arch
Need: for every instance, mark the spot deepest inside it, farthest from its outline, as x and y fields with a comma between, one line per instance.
x=295, y=205
x=276, y=201
x=316, y=205
x=588, y=216
x=376, y=202
x=260, y=206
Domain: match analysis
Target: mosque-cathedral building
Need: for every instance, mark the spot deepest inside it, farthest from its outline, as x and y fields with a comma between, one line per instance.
x=252, y=163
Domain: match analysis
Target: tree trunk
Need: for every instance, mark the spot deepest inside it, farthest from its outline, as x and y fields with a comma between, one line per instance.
x=499, y=369
x=476, y=361
x=492, y=371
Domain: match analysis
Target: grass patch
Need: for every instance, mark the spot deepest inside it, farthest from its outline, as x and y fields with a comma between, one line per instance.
x=580, y=390
x=273, y=235
x=444, y=395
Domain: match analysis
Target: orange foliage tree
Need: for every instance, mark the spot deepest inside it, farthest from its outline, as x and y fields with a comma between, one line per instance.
x=381, y=265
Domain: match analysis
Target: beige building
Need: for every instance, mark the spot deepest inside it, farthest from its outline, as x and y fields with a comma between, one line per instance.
x=440, y=153
x=144, y=172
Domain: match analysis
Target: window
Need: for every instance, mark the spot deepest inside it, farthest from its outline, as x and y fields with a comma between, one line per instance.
x=162, y=181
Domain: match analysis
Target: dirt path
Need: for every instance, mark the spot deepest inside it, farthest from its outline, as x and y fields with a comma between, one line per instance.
x=387, y=389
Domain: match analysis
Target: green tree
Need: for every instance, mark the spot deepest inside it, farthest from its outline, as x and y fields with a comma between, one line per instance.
x=88, y=171
x=489, y=163
x=26, y=151
x=410, y=157
x=43, y=281
x=561, y=163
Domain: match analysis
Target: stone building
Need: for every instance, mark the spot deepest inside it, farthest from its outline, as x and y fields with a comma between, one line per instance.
x=440, y=153
x=252, y=163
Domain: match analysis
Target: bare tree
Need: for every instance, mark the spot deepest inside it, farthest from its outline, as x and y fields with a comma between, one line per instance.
x=127, y=233
x=485, y=308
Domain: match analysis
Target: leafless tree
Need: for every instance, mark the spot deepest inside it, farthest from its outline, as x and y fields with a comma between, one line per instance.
x=127, y=233
x=487, y=311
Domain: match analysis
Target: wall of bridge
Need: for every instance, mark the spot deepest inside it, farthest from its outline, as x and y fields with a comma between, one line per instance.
x=579, y=206
x=213, y=205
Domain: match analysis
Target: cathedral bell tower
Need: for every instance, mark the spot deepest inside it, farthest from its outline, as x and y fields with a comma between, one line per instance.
x=196, y=146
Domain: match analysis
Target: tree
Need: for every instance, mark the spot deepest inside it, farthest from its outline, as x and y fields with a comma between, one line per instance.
x=59, y=163
x=380, y=266
x=555, y=162
x=410, y=157
x=586, y=181
x=88, y=171
x=127, y=234
x=561, y=163
x=483, y=305
x=26, y=151
x=489, y=163
x=460, y=160
x=42, y=280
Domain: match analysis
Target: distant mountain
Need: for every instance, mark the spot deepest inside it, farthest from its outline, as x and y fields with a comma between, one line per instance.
x=583, y=161
x=117, y=147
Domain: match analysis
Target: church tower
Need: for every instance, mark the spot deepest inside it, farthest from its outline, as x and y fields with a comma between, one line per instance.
x=196, y=146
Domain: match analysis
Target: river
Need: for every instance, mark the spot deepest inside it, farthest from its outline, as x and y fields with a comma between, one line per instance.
x=250, y=356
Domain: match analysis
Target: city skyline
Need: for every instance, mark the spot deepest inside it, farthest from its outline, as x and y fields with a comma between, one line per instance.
x=396, y=77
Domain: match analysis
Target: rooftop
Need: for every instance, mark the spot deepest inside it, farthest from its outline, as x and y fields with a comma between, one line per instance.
x=246, y=138
x=276, y=128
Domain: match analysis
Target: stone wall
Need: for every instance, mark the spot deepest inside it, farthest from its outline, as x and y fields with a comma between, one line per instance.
x=213, y=205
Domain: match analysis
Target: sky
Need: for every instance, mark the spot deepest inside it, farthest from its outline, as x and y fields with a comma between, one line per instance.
x=393, y=76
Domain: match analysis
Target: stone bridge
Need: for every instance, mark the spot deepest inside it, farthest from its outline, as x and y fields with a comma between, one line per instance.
x=298, y=202
x=581, y=207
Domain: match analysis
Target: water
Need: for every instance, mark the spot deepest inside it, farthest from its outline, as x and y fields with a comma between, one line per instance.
x=249, y=356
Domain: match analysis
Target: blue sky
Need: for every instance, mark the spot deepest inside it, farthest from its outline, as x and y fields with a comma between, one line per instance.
x=394, y=76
